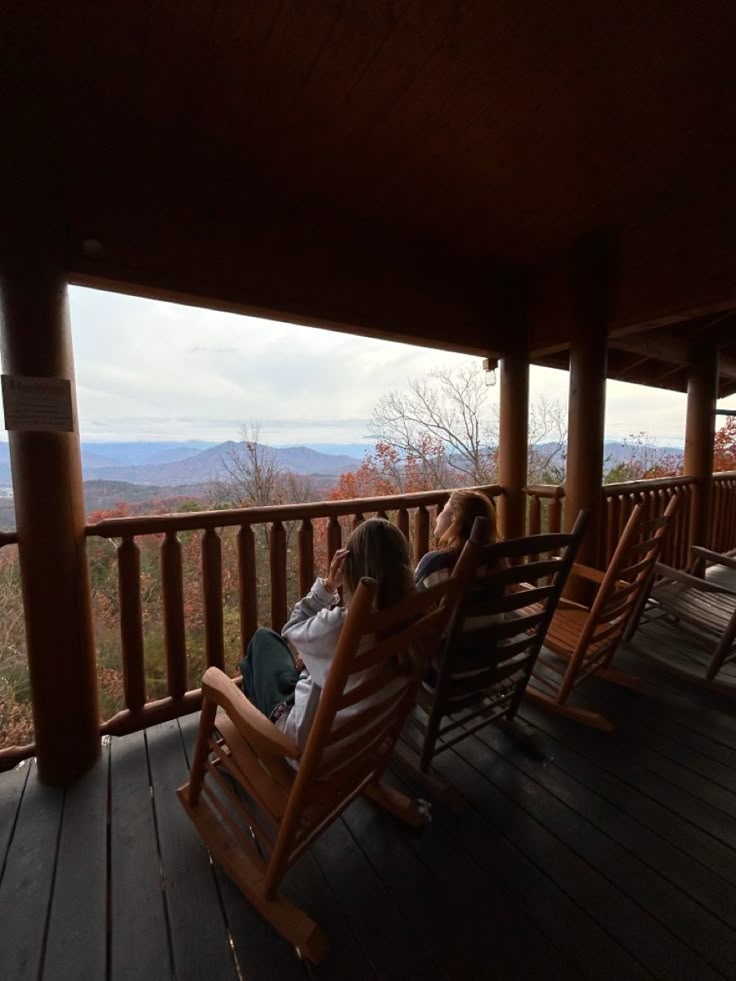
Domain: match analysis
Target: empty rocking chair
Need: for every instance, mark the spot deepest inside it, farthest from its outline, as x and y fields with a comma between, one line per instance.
x=703, y=606
x=257, y=812
x=581, y=640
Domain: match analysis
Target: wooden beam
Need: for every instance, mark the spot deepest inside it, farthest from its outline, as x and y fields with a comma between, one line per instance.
x=50, y=516
x=669, y=349
x=295, y=260
x=513, y=444
x=589, y=279
x=702, y=393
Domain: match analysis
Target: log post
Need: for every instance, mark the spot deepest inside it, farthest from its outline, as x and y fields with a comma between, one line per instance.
x=35, y=340
x=702, y=393
x=513, y=443
x=587, y=398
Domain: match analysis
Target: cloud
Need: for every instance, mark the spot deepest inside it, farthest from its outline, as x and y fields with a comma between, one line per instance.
x=147, y=370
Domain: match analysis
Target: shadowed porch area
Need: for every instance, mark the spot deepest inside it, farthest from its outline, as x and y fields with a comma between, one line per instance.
x=612, y=858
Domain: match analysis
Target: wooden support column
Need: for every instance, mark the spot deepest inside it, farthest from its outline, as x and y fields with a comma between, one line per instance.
x=702, y=393
x=513, y=443
x=35, y=340
x=587, y=398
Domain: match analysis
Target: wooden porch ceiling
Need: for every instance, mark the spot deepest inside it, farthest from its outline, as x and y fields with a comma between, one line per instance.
x=402, y=168
x=659, y=356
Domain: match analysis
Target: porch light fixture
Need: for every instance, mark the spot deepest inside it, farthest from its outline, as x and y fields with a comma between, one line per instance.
x=489, y=366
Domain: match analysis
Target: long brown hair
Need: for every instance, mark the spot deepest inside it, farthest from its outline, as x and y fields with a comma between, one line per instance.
x=467, y=505
x=377, y=549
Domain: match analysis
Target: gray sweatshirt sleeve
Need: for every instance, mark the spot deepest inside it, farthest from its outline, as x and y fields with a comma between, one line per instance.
x=318, y=598
x=314, y=628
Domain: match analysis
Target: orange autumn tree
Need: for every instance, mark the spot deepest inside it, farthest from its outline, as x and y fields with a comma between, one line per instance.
x=387, y=471
x=724, y=446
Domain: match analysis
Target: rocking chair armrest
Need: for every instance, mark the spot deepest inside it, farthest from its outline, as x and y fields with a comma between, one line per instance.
x=568, y=604
x=715, y=558
x=667, y=572
x=247, y=719
x=587, y=572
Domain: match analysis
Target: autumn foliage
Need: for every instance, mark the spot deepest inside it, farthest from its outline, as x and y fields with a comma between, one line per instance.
x=384, y=471
x=724, y=454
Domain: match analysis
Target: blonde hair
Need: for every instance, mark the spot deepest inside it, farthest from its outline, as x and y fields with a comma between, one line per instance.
x=377, y=549
x=466, y=506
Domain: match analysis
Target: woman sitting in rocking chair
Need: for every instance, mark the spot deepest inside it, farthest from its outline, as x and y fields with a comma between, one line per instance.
x=283, y=675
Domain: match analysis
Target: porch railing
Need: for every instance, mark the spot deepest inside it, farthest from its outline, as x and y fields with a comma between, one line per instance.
x=331, y=520
x=546, y=507
x=276, y=552
x=723, y=512
x=10, y=754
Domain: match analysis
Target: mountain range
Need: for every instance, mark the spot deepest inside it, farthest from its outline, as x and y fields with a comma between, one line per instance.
x=178, y=464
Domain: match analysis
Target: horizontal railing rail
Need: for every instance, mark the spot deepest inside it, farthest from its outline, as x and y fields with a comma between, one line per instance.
x=411, y=512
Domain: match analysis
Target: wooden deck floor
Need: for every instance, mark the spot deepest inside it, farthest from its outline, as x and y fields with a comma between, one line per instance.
x=612, y=859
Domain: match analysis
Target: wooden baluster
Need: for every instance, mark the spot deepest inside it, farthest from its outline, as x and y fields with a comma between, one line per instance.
x=306, y=556
x=358, y=519
x=555, y=515
x=421, y=533
x=535, y=515
x=131, y=623
x=535, y=520
x=664, y=496
x=334, y=537
x=612, y=521
x=680, y=524
x=212, y=590
x=248, y=586
x=714, y=539
x=403, y=522
x=686, y=536
x=383, y=514
x=626, y=504
x=674, y=553
x=277, y=543
x=172, y=584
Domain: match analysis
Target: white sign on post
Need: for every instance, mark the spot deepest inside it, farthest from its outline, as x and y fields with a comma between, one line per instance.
x=37, y=404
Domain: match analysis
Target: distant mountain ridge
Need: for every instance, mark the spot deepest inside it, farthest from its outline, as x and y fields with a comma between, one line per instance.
x=210, y=465
x=176, y=464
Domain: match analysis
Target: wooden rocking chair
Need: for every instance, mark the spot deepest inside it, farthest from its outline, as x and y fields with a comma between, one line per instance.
x=581, y=641
x=493, y=639
x=255, y=811
x=706, y=610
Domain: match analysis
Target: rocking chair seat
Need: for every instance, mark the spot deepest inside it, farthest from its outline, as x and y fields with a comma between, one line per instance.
x=565, y=631
x=706, y=611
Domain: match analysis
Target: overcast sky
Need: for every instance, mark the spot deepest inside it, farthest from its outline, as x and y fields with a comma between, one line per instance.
x=152, y=370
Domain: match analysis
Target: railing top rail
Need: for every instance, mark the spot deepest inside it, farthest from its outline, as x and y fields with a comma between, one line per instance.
x=623, y=487
x=725, y=475
x=631, y=486
x=8, y=538
x=196, y=520
x=545, y=490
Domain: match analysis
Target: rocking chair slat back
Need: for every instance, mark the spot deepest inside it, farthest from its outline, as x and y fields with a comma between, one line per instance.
x=494, y=636
x=587, y=638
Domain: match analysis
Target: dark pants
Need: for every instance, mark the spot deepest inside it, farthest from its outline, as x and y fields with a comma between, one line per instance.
x=269, y=672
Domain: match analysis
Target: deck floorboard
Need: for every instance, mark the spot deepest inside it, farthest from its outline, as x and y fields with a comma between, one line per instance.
x=612, y=858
